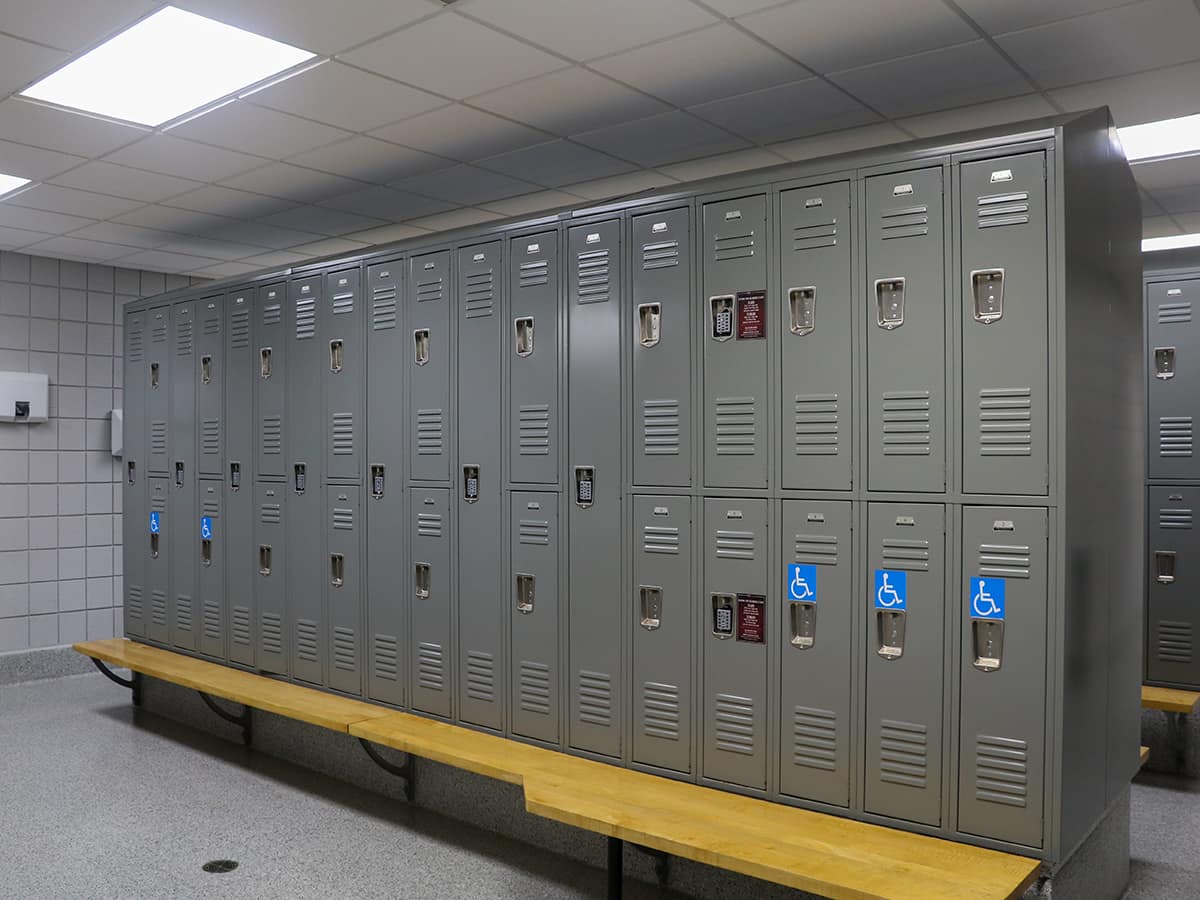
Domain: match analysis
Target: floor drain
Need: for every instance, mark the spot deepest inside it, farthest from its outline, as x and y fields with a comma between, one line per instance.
x=220, y=865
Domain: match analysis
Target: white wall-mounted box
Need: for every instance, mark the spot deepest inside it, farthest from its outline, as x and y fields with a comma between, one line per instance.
x=24, y=397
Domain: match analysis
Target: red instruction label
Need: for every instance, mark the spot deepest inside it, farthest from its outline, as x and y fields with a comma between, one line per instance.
x=751, y=315
x=752, y=618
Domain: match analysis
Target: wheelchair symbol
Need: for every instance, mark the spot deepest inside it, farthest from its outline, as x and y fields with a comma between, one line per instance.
x=987, y=598
x=886, y=596
x=799, y=589
x=154, y=526
x=206, y=528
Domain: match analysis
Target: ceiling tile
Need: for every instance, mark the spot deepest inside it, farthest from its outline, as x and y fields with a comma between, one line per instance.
x=461, y=133
x=129, y=235
x=456, y=218
x=162, y=261
x=1167, y=173
x=40, y=219
x=69, y=24
x=259, y=235
x=319, y=220
x=22, y=63
x=369, y=159
x=983, y=115
x=120, y=181
x=1144, y=97
x=181, y=221
x=584, y=29
x=224, y=201
x=291, y=183
x=185, y=159
x=346, y=98
x=726, y=163
x=526, y=204
x=569, y=101
x=54, y=198
x=42, y=126
x=840, y=142
x=1150, y=206
x=999, y=16
x=34, y=163
x=329, y=247
x=226, y=270
x=79, y=249
x=832, y=34
x=1159, y=226
x=705, y=65
x=276, y=258
x=465, y=184
x=556, y=163
x=733, y=8
x=386, y=234
x=216, y=249
x=387, y=204
x=940, y=79
x=252, y=129
x=424, y=56
x=15, y=238
x=1146, y=35
x=812, y=105
x=1189, y=223
x=657, y=140
x=619, y=185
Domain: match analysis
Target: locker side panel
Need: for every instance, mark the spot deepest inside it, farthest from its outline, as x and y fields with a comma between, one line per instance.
x=345, y=588
x=427, y=306
x=240, y=548
x=159, y=351
x=1173, y=573
x=270, y=382
x=343, y=373
x=594, y=514
x=133, y=476
x=210, y=549
x=533, y=415
x=429, y=585
x=184, y=608
x=270, y=593
x=210, y=386
x=1173, y=377
x=534, y=596
x=157, y=557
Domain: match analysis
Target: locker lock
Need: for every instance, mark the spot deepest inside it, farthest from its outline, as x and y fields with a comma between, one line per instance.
x=649, y=324
x=154, y=375
x=264, y=559
x=421, y=346
x=421, y=580
x=299, y=477
x=178, y=473
x=585, y=486
x=1164, y=363
x=802, y=307
x=987, y=285
x=1164, y=566
x=377, y=474
x=471, y=483
x=523, y=329
x=722, y=615
x=889, y=303
x=889, y=625
x=804, y=624
x=337, y=569
x=525, y=586
x=264, y=362
x=235, y=476
x=132, y=467
x=335, y=355
x=206, y=369
x=722, y=317
x=651, y=612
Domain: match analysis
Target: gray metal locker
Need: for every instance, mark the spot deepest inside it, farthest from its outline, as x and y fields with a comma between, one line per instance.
x=210, y=386
x=595, y=612
x=533, y=371
x=816, y=662
x=534, y=588
x=133, y=476
x=479, y=548
x=307, y=574
x=735, y=346
x=734, y=613
x=183, y=609
x=241, y=562
x=241, y=551
x=209, y=550
x=344, y=578
x=906, y=332
x=157, y=557
x=816, y=328
x=906, y=655
x=386, y=513
x=1173, y=364
x=660, y=317
x=157, y=379
x=343, y=374
x=662, y=632
x=1004, y=311
x=1173, y=575
x=427, y=306
x=270, y=383
x=430, y=596
x=270, y=592
x=1002, y=730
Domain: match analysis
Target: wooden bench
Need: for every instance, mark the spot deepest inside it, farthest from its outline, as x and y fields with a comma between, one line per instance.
x=1178, y=705
x=823, y=854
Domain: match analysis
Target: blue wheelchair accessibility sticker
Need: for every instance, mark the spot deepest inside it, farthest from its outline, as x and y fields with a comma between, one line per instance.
x=155, y=525
x=206, y=529
x=987, y=598
x=802, y=582
x=891, y=589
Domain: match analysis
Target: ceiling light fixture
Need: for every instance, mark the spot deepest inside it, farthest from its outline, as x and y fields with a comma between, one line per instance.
x=1161, y=140
x=9, y=183
x=167, y=65
x=1170, y=242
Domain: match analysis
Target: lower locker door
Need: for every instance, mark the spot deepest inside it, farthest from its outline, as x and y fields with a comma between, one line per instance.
x=387, y=593
x=1173, y=573
x=307, y=575
x=270, y=585
x=482, y=600
x=184, y=538
x=210, y=553
x=344, y=591
x=429, y=583
x=157, y=559
x=241, y=563
x=534, y=611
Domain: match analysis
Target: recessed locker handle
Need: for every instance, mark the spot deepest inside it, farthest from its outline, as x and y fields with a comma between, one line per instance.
x=988, y=639
x=804, y=624
x=336, y=350
x=1164, y=363
x=378, y=473
x=1164, y=566
x=421, y=580
x=154, y=375
x=206, y=369
x=235, y=476
x=264, y=559
x=132, y=466
x=421, y=346
x=337, y=569
x=889, y=303
x=264, y=362
x=179, y=476
x=299, y=477
x=154, y=545
x=802, y=310
x=206, y=551
x=651, y=607
x=889, y=625
x=525, y=593
x=987, y=286
x=649, y=324
x=523, y=328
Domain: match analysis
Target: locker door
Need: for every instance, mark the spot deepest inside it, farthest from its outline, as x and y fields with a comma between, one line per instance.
x=157, y=379
x=1001, y=762
x=480, y=544
x=534, y=615
x=386, y=537
x=429, y=580
x=270, y=383
x=905, y=658
x=1005, y=351
x=157, y=557
x=661, y=325
x=184, y=612
x=210, y=386
x=906, y=332
x=815, y=651
x=735, y=650
x=345, y=589
x=427, y=305
x=1173, y=364
x=134, y=474
x=594, y=514
x=1173, y=572
x=343, y=375
x=209, y=549
x=816, y=329
x=241, y=551
x=241, y=562
x=662, y=632
x=534, y=341
x=270, y=594
x=735, y=347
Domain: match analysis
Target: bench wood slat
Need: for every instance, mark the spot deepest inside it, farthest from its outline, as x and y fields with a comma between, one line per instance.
x=1169, y=699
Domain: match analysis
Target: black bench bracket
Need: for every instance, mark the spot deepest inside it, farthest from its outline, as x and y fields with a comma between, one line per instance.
x=662, y=863
x=616, y=854
x=133, y=682
x=405, y=771
x=243, y=720
x=1177, y=737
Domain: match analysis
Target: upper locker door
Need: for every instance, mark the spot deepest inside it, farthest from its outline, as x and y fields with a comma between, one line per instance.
x=210, y=385
x=344, y=375
x=1005, y=351
x=157, y=379
x=184, y=613
x=661, y=325
x=427, y=305
x=134, y=477
x=816, y=330
x=238, y=528
x=735, y=349
x=429, y=530
x=1173, y=341
x=270, y=381
x=533, y=372
x=906, y=332
x=1173, y=563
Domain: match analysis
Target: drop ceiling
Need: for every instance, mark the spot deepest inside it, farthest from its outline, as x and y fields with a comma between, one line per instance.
x=429, y=115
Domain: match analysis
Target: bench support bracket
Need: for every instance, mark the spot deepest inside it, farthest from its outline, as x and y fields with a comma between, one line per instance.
x=133, y=682
x=242, y=720
x=616, y=853
x=1177, y=735
x=405, y=771
x=662, y=863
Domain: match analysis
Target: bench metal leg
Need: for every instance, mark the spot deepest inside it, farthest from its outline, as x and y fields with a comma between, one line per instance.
x=406, y=771
x=662, y=863
x=134, y=682
x=1177, y=734
x=616, y=854
x=242, y=720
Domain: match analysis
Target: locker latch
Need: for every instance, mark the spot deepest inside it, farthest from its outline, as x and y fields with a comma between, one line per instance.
x=335, y=355
x=585, y=486
x=652, y=598
x=154, y=375
x=264, y=559
x=264, y=362
x=337, y=569
x=206, y=369
x=421, y=578
x=154, y=545
x=802, y=303
x=421, y=346
x=300, y=477
x=132, y=466
x=206, y=551
x=524, y=333
x=235, y=476
x=890, y=632
x=470, y=483
x=988, y=287
x=525, y=585
x=988, y=638
x=1164, y=363
x=804, y=624
x=722, y=317
x=1164, y=566
x=889, y=300
x=178, y=473
x=722, y=615
x=649, y=323
x=376, y=481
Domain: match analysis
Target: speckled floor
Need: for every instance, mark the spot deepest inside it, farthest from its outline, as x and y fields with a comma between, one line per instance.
x=1165, y=838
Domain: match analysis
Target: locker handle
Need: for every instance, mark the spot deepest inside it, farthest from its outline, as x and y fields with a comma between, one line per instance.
x=206, y=369
x=1164, y=566
x=154, y=375
x=525, y=593
x=471, y=483
x=206, y=551
x=421, y=346
x=235, y=476
x=652, y=602
x=889, y=303
x=1164, y=363
x=335, y=355
x=889, y=625
x=804, y=624
x=132, y=472
x=153, y=545
x=421, y=580
x=987, y=286
x=802, y=307
x=300, y=477
x=988, y=639
x=585, y=486
x=649, y=324
x=178, y=473
x=524, y=336
x=377, y=481
x=337, y=569
x=264, y=559
x=264, y=358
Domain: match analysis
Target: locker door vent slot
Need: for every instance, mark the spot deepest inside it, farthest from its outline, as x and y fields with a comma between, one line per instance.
x=210, y=436
x=723, y=615
x=206, y=369
x=816, y=236
x=660, y=539
x=239, y=329
x=802, y=309
x=336, y=355
x=585, y=486
x=660, y=711
x=593, y=273
x=523, y=328
x=272, y=435
x=431, y=666
x=987, y=288
x=737, y=430
x=337, y=569
x=889, y=303
x=342, y=433
x=1174, y=313
x=903, y=753
x=264, y=362
x=817, y=424
x=386, y=657
x=533, y=429
x=383, y=308
x=271, y=636
x=430, y=290
x=481, y=676
x=533, y=681
x=240, y=631
x=421, y=580
x=649, y=324
x=421, y=346
x=533, y=274
x=660, y=255
x=154, y=375
x=235, y=476
x=133, y=602
x=595, y=698
x=345, y=649
x=1006, y=421
x=429, y=525
x=1175, y=518
x=480, y=295
x=722, y=317
x=733, y=246
x=183, y=613
x=1005, y=560
x=343, y=303
x=1174, y=644
x=377, y=481
x=814, y=738
x=306, y=318
x=997, y=210
x=735, y=724
x=905, y=222
x=651, y=607
x=525, y=593
x=660, y=427
x=429, y=432
x=158, y=608
x=1164, y=363
x=1175, y=436
x=264, y=559
x=1001, y=770
x=272, y=314
x=471, y=483
x=307, y=641
x=907, y=423
x=1164, y=566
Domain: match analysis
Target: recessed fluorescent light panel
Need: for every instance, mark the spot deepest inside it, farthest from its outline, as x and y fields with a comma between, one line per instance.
x=9, y=183
x=1159, y=140
x=166, y=65
x=1170, y=242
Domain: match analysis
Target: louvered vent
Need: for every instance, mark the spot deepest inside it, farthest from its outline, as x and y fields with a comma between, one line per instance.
x=306, y=317
x=158, y=503
x=736, y=429
x=909, y=221
x=1173, y=642
x=1004, y=560
x=911, y=556
x=307, y=641
x=735, y=544
x=135, y=349
x=535, y=532
x=343, y=434
x=429, y=432
x=1178, y=313
x=343, y=518
x=429, y=525
x=429, y=290
x=431, y=673
x=387, y=657
x=534, y=273
x=211, y=325
x=272, y=435
x=1001, y=770
x=816, y=424
x=595, y=698
x=183, y=336
x=158, y=331
x=480, y=295
x=239, y=329
x=815, y=236
x=593, y=272
x=814, y=738
x=210, y=436
x=660, y=710
x=1006, y=422
x=533, y=687
x=270, y=628
x=241, y=626
x=212, y=620
x=1175, y=436
x=906, y=423
x=158, y=436
x=660, y=427
x=271, y=514
x=210, y=506
x=734, y=719
x=660, y=255
x=733, y=246
x=1175, y=518
x=183, y=613
x=481, y=676
x=903, y=753
x=345, y=649
x=272, y=313
x=158, y=608
x=383, y=308
x=660, y=539
x=996, y=210
x=533, y=429
x=818, y=549
x=343, y=303
x=133, y=601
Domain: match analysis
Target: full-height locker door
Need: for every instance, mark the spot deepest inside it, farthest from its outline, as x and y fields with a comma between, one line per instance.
x=1002, y=732
x=534, y=351
x=209, y=550
x=270, y=593
x=906, y=642
x=1173, y=367
x=345, y=588
x=534, y=597
x=270, y=381
x=662, y=632
x=816, y=660
x=386, y=538
x=210, y=385
x=155, y=537
x=1173, y=570
x=660, y=317
x=734, y=612
x=1004, y=309
x=427, y=306
x=241, y=559
x=906, y=332
x=480, y=544
x=735, y=347
x=594, y=519
x=157, y=379
x=343, y=371
x=816, y=331
x=184, y=612
x=429, y=589
x=133, y=476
